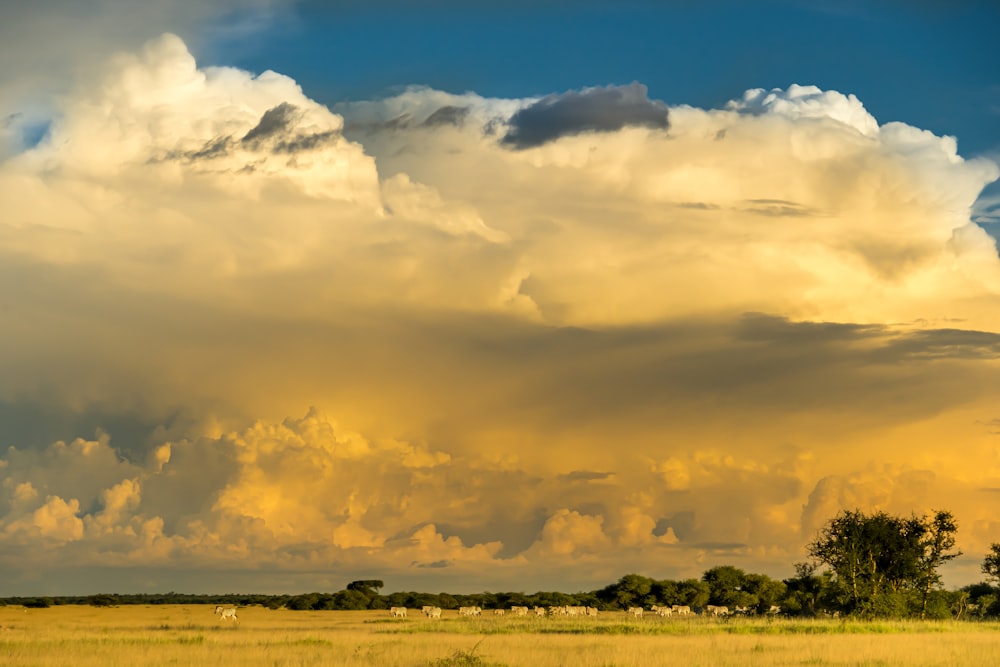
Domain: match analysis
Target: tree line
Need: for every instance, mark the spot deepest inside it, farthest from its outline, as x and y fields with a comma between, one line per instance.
x=868, y=565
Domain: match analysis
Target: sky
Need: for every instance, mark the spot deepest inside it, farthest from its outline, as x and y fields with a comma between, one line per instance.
x=489, y=296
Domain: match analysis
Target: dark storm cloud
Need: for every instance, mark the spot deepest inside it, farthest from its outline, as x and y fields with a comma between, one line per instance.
x=698, y=206
x=586, y=476
x=214, y=148
x=275, y=121
x=750, y=364
x=590, y=110
x=273, y=131
x=305, y=142
x=682, y=523
x=447, y=115
x=952, y=344
x=516, y=529
x=777, y=208
x=276, y=125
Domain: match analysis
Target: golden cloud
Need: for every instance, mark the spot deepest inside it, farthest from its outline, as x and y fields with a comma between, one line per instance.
x=622, y=345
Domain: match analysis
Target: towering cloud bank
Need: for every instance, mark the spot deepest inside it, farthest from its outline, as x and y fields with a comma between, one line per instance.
x=573, y=331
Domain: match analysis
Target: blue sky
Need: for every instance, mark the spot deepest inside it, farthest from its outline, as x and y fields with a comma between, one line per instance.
x=933, y=65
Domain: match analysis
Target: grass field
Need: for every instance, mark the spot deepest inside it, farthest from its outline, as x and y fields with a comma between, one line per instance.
x=191, y=635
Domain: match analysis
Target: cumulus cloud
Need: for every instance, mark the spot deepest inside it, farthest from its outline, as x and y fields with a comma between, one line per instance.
x=537, y=333
x=809, y=102
x=590, y=110
x=871, y=205
x=55, y=42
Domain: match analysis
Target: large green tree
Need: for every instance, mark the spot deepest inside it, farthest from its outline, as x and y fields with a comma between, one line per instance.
x=883, y=563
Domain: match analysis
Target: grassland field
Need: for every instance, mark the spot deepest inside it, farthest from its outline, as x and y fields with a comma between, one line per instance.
x=135, y=635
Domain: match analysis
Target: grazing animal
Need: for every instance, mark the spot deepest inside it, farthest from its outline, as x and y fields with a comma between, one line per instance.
x=227, y=612
x=635, y=611
x=397, y=612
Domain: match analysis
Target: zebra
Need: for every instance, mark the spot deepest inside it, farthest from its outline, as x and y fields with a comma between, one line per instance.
x=397, y=612
x=227, y=612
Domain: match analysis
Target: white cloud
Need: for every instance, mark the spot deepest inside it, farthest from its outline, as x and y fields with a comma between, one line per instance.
x=569, y=533
x=530, y=356
x=798, y=102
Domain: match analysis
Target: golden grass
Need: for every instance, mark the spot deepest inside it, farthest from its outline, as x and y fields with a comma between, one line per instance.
x=191, y=635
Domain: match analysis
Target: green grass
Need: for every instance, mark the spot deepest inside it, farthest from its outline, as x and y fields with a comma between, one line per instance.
x=680, y=627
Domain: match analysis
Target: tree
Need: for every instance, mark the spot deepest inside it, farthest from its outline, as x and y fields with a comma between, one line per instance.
x=368, y=587
x=763, y=591
x=102, y=600
x=351, y=598
x=631, y=590
x=665, y=592
x=938, y=540
x=726, y=585
x=804, y=590
x=991, y=564
x=880, y=561
x=693, y=593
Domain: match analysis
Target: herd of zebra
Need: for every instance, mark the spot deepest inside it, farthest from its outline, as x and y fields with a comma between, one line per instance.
x=226, y=613
x=635, y=612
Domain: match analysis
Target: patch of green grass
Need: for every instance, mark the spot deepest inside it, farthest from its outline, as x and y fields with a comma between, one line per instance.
x=679, y=628
x=167, y=626
x=196, y=639
x=467, y=658
x=305, y=641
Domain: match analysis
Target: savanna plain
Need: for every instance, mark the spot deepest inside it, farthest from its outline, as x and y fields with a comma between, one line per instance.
x=135, y=635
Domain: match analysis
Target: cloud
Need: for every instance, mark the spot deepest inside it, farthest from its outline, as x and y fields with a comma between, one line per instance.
x=447, y=115
x=56, y=43
x=605, y=109
x=809, y=102
x=549, y=364
x=274, y=121
x=885, y=203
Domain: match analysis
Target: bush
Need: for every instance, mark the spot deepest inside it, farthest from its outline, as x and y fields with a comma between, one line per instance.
x=37, y=603
x=103, y=600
